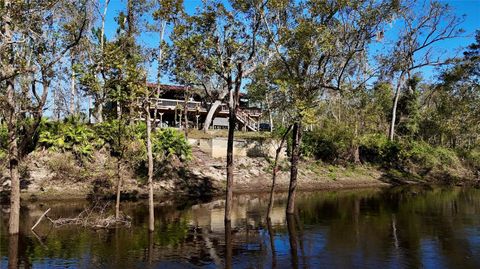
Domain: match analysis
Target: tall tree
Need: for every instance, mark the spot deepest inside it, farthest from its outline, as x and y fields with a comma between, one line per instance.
x=40, y=39
x=452, y=115
x=422, y=27
x=320, y=46
x=217, y=45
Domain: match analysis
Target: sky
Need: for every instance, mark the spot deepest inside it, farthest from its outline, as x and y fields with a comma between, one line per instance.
x=469, y=8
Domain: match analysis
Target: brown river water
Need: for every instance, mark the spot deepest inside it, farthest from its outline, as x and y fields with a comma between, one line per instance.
x=402, y=227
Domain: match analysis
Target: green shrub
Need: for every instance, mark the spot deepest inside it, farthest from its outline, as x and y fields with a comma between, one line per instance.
x=419, y=153
x=331, y=143
x=428, y=156
x=376, y=148
x=71, y=135
x=472, y=158
x=447, y=156
x=170, y=142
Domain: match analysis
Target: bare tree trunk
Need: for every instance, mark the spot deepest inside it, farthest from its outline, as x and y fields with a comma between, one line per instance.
x=231, y=131
x=274, y=172
x=232, y=107
x=296, y=139
x=73, y=90
x=356, y=148
x=185, y=111
x=14, y=220
x=151, y=216
x=210, y=114
x=401, y=81
x=159, y=70
x=99, y=116
x=119, y=108
x=54, y=106
x=119, y=167
x=130, y=33
x=102, y=32
x=155, y=109
x=270, y=116
x=99, y=101
x=119, y=189
x=89, y=109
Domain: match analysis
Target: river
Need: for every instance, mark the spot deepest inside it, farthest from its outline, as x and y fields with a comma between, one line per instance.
x=401, y=227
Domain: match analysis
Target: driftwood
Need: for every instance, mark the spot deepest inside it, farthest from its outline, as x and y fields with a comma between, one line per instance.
x=40, y=219
x=94, y=217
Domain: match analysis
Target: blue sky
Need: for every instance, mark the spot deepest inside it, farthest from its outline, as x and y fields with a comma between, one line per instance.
x=469, y=8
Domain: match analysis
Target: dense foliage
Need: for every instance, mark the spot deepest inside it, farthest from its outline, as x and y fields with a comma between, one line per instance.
x=82, y=139
x=436, y=124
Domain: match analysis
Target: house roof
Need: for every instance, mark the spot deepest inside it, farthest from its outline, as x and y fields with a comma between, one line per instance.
x=167, y=87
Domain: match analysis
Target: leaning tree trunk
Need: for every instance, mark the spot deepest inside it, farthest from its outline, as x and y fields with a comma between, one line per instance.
x=401, y=81
x=14, y=220
x=296, y=139
x=210, y=114
x=274, y=172
x=272, y=243
x=151, y=216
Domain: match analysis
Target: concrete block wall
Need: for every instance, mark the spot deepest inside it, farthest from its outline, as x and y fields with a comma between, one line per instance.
x=217, y=147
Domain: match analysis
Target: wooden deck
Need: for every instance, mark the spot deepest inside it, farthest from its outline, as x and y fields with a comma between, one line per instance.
x=248, y=117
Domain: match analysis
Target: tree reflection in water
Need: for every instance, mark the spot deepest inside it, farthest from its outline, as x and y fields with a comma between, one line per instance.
x=13, y=251
x=410, y=227
x=228, y=244
x=292, y=238
x=272, y=242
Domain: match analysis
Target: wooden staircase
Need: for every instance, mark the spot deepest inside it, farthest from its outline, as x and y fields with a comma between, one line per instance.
x=250, y=123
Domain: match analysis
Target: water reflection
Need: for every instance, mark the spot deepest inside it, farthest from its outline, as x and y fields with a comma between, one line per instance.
x=272, y=242
x=292, y=236
x=228, y=245
x=13, y=251
x=411, y=227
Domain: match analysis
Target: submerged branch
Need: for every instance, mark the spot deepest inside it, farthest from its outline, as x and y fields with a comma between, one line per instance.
x=94, y=217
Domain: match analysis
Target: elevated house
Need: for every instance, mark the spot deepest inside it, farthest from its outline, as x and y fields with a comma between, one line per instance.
x=169, y=109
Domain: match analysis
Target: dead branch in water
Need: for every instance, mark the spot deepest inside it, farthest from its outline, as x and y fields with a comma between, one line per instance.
x=94, y=217
x=40, y=219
